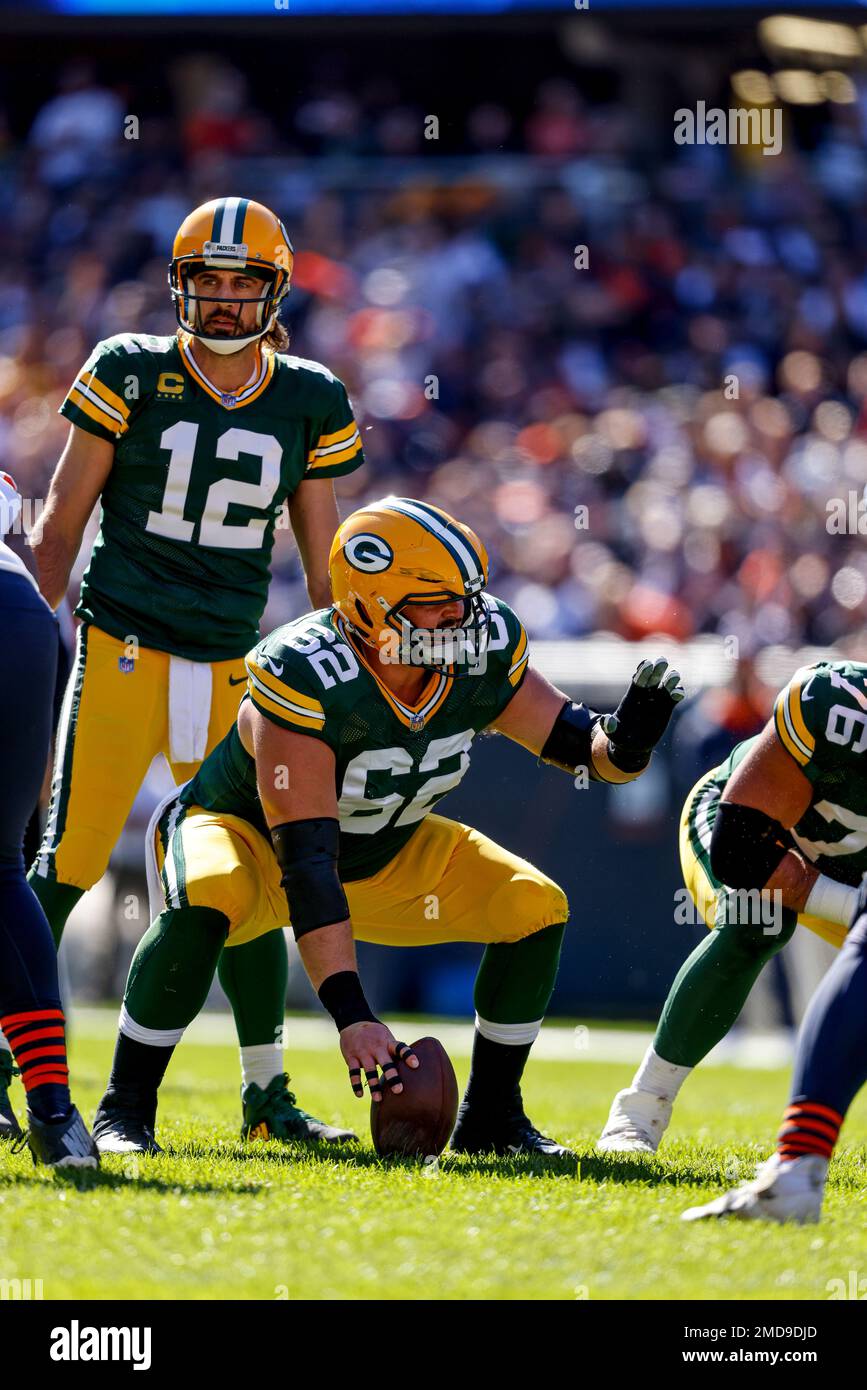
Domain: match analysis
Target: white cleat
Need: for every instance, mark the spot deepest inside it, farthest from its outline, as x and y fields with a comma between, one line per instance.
x=636, y=1123
x=780, y=1192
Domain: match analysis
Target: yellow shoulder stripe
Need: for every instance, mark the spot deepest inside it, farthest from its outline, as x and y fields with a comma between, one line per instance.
x=278, y=688
x=786, y=733
x=521, y=647
x=93, y=383
x=328, y=459
x=796, y=713
x=283, y=714
x=518, y=669
x=346, y=432
x=82, y=403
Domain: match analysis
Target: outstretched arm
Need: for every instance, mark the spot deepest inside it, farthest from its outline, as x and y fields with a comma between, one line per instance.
x=614, y=747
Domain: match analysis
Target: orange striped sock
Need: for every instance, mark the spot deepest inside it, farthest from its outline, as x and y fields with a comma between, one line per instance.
x=37, y=1038
x=808, y=1128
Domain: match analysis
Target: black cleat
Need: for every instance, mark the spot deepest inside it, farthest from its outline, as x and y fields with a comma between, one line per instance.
x=9, y=1126
x=124, y=1123
x=504, y=1131
x=62, y=1143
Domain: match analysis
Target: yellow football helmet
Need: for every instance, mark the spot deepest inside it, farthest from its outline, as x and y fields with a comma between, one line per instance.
x=230, y=234
x=399, y=551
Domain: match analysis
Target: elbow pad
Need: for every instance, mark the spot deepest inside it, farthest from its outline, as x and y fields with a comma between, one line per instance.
x=307, y=852
x=570, y=741
x=746, y=846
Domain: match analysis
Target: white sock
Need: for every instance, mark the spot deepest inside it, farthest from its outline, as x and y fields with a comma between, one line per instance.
x=512, y=1034
x=4, y=1045
x=659, y=1077
x=261, y=1063
x=151, y=1037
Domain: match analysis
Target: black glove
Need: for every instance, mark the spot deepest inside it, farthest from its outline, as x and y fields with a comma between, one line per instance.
x=641, y=718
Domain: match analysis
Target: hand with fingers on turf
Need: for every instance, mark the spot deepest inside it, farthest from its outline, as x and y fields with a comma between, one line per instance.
x=368, y=1046
x=641, y=718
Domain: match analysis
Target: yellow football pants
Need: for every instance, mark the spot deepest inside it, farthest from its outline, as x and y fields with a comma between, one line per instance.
x=113, y=724
x=696, y=826
x=449, y=883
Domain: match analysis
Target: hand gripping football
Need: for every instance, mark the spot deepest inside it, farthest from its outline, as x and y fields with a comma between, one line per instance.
x=420, y=1120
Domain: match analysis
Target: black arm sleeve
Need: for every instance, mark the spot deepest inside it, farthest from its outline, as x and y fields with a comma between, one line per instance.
x=307, y=852
x=569, y=744
x=746, y=846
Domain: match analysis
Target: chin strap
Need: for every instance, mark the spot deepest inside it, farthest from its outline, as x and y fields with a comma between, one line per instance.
x=225, y=347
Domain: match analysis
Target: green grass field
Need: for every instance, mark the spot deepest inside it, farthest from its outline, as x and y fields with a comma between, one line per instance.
x=218, y=1219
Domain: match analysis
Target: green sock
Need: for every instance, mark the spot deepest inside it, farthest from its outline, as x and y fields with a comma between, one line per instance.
x=711, y=988
x=57, y=901
x=516, y=978
x=254, y=977
x=173, y=967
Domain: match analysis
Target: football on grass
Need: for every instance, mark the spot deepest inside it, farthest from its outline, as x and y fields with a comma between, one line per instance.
x=420, y=1120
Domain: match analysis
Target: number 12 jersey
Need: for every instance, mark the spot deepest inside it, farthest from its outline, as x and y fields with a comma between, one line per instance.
x=200, y=476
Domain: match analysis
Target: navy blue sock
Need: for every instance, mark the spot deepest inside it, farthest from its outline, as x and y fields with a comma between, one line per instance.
x=831, y=1055
x=30, y=1012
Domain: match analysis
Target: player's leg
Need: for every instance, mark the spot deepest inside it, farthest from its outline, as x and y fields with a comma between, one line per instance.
x=209, y=883
x=709, y=990
x=219, y=878
x=109, y=732
x=451, y=883
x=830, y=1069
x=254, y=977
x=30, y=1008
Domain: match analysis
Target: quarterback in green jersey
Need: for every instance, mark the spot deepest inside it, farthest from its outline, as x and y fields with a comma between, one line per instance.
x=318, y=809
x=193, y=445
x=775, y=836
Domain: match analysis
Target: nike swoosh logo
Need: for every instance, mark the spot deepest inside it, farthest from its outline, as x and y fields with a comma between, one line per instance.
x=275, y=666
x=240, y=680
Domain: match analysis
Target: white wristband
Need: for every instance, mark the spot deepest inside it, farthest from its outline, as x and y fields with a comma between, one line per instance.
x=833, y=902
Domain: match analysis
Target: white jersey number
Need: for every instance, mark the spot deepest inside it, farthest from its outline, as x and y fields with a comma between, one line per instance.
x=180, y=440
x=364, y=815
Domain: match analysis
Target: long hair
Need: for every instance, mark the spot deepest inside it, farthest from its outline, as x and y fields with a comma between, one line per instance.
x=277, y=338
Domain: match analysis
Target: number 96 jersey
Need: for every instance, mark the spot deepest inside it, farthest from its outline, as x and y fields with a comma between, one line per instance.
x=182, y=559
x=393, y=761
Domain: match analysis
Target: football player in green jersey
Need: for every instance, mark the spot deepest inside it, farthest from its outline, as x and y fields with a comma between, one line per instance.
x=774, y=836
x=192, y=444
x=318, y=808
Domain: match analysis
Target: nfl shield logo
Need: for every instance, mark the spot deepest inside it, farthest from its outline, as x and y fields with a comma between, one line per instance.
x=228, y=401
x=125, y=664
x=416, y=722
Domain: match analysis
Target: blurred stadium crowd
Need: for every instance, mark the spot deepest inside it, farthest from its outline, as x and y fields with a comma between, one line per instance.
x=699, y=387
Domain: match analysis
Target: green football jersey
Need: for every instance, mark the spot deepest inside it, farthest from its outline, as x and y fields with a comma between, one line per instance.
x=821, y=720
x=393, y=762
x=182, y=559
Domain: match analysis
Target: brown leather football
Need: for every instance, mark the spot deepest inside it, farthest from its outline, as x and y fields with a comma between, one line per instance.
x=420, y=1120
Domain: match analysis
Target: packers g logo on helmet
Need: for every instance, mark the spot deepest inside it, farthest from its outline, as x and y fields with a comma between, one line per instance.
x=368, y=553
x=230, y=234
x=399, y=552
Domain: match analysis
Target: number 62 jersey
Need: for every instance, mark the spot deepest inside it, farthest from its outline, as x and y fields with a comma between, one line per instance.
x=393, y=761
x=182, y=559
